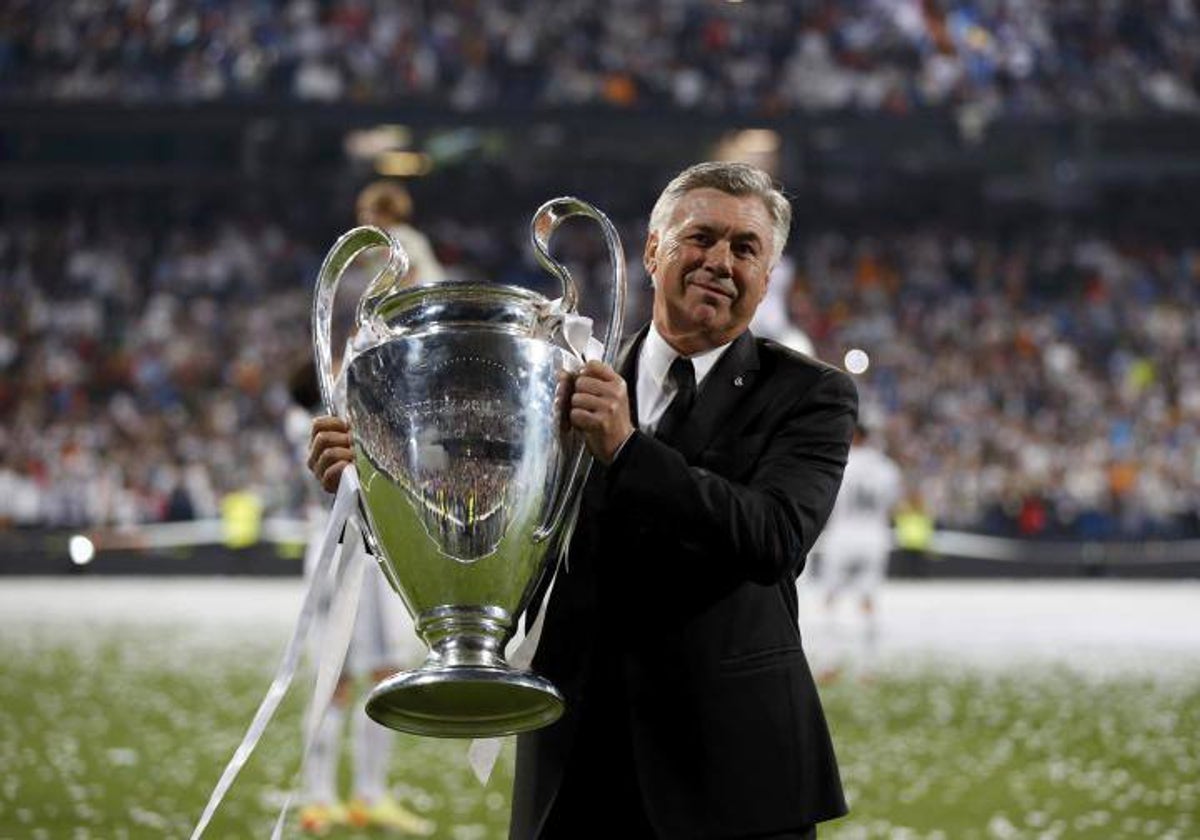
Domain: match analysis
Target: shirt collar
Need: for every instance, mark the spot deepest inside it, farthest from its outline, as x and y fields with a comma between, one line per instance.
x=657, y=356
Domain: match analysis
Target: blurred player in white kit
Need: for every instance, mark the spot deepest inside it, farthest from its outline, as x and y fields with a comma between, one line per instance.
x=854, y=547
x=383, y=638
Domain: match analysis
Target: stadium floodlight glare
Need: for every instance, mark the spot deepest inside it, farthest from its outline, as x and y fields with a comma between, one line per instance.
x=759, y=146
x=856, y=361
x=403, y=164
x=369, y=143
x=81, y=549
x=762, y=141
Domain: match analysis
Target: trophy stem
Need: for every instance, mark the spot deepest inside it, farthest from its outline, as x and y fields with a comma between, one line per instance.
x=465, y=636
x=465, y=688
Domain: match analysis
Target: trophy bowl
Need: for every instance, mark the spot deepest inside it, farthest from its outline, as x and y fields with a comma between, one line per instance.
x=469, y=472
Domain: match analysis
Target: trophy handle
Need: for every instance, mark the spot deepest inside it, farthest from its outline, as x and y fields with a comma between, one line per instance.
x=545, y=221
x=350, y=245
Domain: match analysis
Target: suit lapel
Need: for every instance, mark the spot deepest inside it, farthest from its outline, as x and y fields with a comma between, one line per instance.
x=726, y=384
x=627, y=366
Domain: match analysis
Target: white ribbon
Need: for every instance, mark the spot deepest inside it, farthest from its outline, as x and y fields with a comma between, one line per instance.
x=340, y=573
x=484, y=752
x=577, y=334
x=348, y=564
x=345, y=596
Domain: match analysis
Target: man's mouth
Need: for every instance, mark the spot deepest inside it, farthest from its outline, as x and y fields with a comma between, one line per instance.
x=716, y=286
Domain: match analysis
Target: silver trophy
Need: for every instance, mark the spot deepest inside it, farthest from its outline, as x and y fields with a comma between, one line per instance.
x=470, y=473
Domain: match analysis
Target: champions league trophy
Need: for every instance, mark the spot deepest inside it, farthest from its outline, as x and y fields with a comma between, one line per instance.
x=470, y=473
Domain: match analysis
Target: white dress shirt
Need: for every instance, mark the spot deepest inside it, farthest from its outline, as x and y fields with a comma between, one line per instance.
x=655, y=390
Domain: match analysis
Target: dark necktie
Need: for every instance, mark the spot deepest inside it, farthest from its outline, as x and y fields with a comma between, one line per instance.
x=670, y=425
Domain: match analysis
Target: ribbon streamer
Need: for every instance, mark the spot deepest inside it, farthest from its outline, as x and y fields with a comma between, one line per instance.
x=483, y=752
x=344, y=506
x=347, y=589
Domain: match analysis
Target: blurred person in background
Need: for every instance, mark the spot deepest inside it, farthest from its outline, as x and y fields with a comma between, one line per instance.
x=695, y=712
x=388, y=204
x=1032, y=57
x=383, y=637
x=773, y=319
x=854, y=547
x=1007, y=361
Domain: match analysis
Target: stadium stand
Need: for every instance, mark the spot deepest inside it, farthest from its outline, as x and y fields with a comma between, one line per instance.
x=1027, y=57
x=1042, y=385
x=992, y=200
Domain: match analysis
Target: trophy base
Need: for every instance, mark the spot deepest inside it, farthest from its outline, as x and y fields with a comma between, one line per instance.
x=464, y=701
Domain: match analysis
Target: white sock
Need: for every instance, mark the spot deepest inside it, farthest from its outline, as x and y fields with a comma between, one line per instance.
x=321, y=770
x=372, y=757
x=870, y=642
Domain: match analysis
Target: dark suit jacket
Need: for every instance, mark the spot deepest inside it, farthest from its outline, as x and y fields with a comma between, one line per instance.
x=680, y=593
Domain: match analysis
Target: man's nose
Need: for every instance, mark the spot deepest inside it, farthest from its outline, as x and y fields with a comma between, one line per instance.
x=720, y=259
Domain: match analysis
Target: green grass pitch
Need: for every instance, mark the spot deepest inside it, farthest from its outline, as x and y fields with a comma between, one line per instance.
x=122, y=733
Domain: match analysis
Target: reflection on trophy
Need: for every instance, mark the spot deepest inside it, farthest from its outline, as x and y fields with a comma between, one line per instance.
x=470, y=476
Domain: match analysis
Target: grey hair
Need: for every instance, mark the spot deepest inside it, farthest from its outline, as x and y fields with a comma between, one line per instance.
x=735, y=179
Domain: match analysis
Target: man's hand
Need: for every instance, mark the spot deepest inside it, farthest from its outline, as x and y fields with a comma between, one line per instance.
x=600, y=409
x=329, y=450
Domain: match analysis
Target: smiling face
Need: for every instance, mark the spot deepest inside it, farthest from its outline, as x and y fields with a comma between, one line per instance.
x=710, y=263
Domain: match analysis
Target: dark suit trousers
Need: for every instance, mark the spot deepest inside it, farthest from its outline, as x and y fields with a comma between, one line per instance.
x=599, y=797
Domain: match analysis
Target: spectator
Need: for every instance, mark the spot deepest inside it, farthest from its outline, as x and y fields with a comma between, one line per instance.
x=1053, y=365
x=1018, y=56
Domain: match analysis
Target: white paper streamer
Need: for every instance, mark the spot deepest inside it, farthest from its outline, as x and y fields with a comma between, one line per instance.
x=483, y=752
x=347, y=587
x=344, y=506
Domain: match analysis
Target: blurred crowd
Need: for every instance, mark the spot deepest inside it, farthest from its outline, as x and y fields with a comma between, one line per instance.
x=767, y=57
x=1040, y=382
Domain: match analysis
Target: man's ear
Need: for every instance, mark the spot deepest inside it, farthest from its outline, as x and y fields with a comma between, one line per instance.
x=650, y=255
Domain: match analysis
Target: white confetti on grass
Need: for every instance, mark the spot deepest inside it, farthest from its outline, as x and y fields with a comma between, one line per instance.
x=933, y=748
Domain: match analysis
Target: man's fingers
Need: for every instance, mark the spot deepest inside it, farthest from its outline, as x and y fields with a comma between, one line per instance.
x=593, y=403
x=565, y=386
x=585, y=420
x=599, y=370
x=333, y=476
x=330, y=457
x=329, y=450
x=329, y=423
x=324, y=441
x=591, y=385
x=600, y=409
x=595, y=385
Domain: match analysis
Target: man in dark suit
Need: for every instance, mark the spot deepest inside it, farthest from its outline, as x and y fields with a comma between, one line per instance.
x=672, y=630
